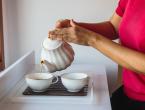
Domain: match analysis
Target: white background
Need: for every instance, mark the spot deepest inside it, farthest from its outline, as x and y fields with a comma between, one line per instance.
x=26, y=24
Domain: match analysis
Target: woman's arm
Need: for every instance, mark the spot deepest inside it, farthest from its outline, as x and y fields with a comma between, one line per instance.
x=104, y=28
x=125, y=57
x=108, y=29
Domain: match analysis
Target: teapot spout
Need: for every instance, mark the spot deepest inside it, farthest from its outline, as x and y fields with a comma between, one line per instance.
x=48, y=66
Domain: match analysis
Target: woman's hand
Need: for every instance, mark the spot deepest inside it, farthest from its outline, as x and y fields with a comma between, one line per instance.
x=72, y=33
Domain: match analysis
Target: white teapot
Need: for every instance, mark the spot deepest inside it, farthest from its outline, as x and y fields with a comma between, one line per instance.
x=56, y=55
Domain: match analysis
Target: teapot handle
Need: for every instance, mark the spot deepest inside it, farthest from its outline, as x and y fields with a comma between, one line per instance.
x=56, y=77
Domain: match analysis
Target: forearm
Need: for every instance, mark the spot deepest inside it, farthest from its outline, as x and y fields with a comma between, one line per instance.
x=105, y=28
x=125, y=57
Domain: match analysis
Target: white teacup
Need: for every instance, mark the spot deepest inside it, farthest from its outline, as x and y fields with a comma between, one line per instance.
x=40, y=82
x=74, y=82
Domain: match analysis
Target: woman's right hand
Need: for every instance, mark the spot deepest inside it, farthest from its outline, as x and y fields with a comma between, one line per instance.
x=63, y=23
x=73, y=33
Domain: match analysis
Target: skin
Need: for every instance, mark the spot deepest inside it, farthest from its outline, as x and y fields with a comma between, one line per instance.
x=83, y=34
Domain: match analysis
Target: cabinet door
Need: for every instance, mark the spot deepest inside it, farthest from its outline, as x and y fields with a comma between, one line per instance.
x=1, y=39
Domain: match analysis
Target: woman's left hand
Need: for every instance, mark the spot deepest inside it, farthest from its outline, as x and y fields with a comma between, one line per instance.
x=73, y=34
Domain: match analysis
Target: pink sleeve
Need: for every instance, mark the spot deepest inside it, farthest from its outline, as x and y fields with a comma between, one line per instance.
x=121, y=7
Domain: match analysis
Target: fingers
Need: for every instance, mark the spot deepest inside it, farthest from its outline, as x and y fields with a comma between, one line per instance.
x=55, y=35
x=63, y=23
x=72, y=23
x=59, y=34
x=66, y=30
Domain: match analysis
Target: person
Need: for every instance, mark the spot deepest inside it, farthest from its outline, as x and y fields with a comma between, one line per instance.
x=127, y=24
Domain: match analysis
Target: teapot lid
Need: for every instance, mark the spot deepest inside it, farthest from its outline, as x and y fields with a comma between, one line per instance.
x=51, y=44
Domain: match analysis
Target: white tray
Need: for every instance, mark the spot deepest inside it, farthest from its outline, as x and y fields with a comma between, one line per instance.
x=16, y=96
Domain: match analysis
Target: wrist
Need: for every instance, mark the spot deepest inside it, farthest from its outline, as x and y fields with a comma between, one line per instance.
x=93, y=40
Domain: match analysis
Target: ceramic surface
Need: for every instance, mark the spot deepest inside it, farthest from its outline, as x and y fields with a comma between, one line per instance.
x=39, y=82
x=57, y=55
x=74, y=82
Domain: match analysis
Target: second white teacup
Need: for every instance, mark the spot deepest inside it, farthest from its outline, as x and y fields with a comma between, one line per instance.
x=40, y=82
x=74, y=82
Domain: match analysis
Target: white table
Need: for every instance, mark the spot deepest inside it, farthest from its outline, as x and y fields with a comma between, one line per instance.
x=97, y=99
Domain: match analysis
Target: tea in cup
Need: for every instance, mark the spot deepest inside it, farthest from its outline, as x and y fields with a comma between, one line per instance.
x=40, y=82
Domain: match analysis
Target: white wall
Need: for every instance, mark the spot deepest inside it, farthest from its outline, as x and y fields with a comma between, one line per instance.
x=26, y=24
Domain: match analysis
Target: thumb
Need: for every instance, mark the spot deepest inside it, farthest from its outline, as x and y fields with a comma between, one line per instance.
x=72, y=23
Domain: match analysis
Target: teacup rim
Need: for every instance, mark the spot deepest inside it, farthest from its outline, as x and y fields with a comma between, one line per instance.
x=27, y=76
x=63, y=76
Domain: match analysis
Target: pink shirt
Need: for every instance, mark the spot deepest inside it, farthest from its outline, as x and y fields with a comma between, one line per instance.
x=132, y=35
